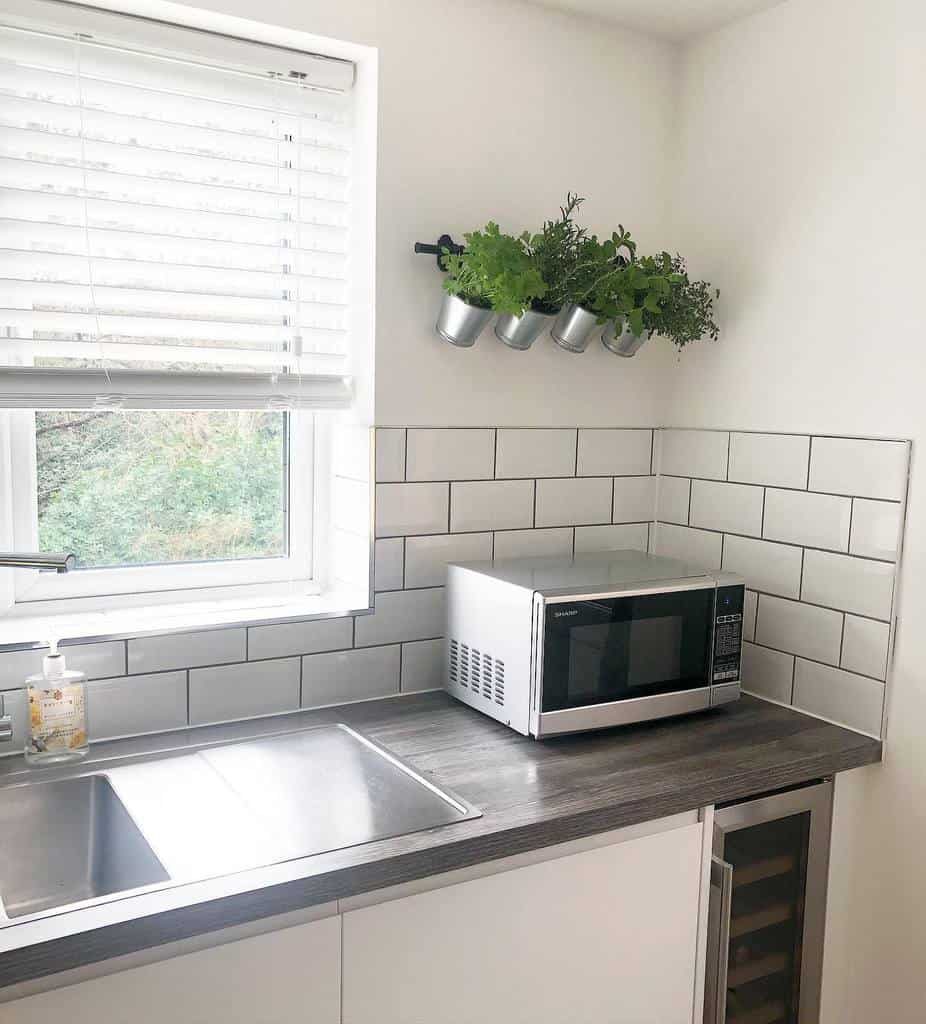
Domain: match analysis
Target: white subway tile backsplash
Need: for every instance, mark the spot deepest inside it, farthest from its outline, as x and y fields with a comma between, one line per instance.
x=799, y=628
x=491, y=505
x=814, y=520
x=863, y=469
x=772, y=568
x=186, y=650
x=701, y=453
x=426, y=558
x=750, y=607
x=286, y=638
x=734, y=508
x=607, y=452
x=406, y=509
x=634, y=499
x=581, y=501
x=673, y=499
x=541, y=543
x=390, y=455
x=231, y=692
x=16, y=706
x=137, y=704
x=839, y=696
x=388, y=563
x=535, y=453
x=865, y=646
x=622, y=537
x=767, y=673
x=422, y=666
x=402, y=615
x=851, y=584
x=99, y=661
x=875, y=529
x=778, y=460
x=700, y=547
x=461, y=454
x=344, y=676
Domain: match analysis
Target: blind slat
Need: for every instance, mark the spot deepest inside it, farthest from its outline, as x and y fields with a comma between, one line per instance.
x=173, y=219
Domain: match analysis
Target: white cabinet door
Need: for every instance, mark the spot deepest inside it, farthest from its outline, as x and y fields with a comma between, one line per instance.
x=605, y=936
x=290, y=976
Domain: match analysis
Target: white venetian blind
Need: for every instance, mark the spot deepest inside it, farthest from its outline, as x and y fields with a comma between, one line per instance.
x=174, y=216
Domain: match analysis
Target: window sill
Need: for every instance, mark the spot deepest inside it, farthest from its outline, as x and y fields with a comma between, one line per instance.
x=23, y=631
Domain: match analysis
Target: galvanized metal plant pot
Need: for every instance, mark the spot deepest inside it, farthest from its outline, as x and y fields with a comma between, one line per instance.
x=522, y=331
x=573, y=327
x=460, y=323
x=624, y=344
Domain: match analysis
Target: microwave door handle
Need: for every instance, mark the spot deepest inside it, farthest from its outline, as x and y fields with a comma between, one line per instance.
x=718, y=942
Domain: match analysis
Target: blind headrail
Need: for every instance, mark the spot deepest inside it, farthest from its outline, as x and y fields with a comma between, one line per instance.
x=153, y=37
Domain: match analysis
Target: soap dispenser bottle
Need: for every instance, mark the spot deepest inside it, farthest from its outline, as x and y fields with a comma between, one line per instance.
x=57, y=712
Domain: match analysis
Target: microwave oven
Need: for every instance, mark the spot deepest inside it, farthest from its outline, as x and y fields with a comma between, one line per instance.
x=560, y=645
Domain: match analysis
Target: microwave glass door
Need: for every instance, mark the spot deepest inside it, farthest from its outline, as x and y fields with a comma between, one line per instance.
x=614, y=648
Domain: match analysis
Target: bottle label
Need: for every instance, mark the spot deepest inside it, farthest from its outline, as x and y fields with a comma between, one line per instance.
x=57, y=719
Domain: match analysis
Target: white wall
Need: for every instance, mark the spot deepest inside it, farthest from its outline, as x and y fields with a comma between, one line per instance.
x=493, y=110
x=800, y=192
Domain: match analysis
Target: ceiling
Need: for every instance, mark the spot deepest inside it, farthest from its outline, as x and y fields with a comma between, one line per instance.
x=672, y=19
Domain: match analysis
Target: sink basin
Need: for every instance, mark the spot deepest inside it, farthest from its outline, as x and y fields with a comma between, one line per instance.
x=67, y=841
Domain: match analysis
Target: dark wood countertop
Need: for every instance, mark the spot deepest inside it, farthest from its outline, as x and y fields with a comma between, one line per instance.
x=532, y=794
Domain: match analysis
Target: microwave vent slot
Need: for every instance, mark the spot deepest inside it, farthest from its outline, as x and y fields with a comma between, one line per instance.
x=477, y=671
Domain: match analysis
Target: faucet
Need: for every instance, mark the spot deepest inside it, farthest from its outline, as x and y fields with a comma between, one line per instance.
x=55, y=562
x=6, y=723
x=52, y=562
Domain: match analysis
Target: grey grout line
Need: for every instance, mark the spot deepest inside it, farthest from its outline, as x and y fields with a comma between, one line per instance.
x=800, y=582
x=405, y=458
x=762, y=522
x=726, y=474
x=793, y=677
x=187, y=696
x=817, y=661
x=495, y=454
x=575, y=471
x=813, y=604
x=809, y=460
x=534, y=512
x=851, y=515
x=782, y=487
x=782, y=543
x=690, y=489
x=842, y=639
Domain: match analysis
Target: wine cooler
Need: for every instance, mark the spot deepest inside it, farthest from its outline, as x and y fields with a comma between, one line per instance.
x=768, y=904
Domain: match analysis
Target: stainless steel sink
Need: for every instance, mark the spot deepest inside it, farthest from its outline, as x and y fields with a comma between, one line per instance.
x=68, y=841
x=165, y=820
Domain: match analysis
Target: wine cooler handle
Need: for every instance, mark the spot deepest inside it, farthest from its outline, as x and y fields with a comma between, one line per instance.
x=718, y=942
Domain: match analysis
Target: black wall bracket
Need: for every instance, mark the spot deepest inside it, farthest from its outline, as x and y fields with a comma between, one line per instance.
x=444, y=242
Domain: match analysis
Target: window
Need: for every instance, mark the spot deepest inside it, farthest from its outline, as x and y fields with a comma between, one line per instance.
x=185, y=290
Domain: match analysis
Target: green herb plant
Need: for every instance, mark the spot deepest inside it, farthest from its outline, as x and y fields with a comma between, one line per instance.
x=556, y=253
x=635, y=294
x=495, y=271
x=686, y=313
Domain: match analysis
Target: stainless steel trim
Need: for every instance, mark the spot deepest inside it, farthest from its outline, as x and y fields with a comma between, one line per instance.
x=622, y=712
x=725, y=693
x=6, y=723
x=817, y=800
x=718, y=942
x=560, y=595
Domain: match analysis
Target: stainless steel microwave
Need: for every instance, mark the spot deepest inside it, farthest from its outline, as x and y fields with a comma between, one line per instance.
x=560, y=645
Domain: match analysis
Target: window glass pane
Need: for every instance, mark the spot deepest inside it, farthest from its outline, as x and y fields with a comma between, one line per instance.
x=137, y=488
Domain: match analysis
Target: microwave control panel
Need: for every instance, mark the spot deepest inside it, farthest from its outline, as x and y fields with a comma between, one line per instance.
x=728, y=633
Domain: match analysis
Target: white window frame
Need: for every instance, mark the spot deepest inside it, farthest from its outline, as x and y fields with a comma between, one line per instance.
x=170, y=582
x=27, y=596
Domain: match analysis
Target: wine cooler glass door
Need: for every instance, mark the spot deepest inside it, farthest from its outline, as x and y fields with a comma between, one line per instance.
x=767, y=909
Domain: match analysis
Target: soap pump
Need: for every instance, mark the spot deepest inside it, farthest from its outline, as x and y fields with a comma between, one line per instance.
x=57, y=712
